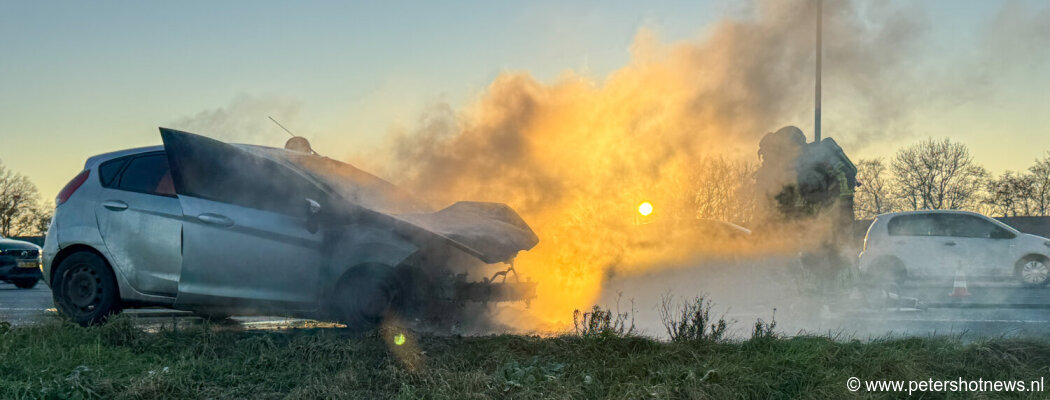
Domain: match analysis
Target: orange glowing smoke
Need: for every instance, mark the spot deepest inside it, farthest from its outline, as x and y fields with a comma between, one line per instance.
x=565, y=154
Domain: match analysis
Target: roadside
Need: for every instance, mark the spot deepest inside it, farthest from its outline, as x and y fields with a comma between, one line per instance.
x=54, y=359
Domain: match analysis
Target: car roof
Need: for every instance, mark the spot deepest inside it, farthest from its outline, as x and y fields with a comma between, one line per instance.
x=920, y=212
x=882, y=218
x=95, y=160
x=98, y=159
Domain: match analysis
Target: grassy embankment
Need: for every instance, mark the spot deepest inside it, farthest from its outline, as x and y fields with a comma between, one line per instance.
x=56, y=359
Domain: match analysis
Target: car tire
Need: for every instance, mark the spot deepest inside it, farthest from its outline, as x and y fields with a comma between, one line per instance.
x=25, y=283
x=85, y=289
x=366, y=296
x=1033, y=271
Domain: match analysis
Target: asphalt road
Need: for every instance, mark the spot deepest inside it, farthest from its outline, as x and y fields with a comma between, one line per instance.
x=24, y=306
x=986, y=309
x=20, y=306
x=989, y=310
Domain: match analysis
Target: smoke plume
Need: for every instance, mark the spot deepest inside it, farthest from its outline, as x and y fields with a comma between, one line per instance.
x=244, y=120
x=576, y=156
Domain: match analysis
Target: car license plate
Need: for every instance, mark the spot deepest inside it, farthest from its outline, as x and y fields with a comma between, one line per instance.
x=28, y=264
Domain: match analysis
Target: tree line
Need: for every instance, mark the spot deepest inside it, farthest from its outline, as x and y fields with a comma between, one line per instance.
x=942, y=174
x=22, y=213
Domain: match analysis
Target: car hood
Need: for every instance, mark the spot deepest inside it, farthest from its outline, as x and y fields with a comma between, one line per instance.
x=492, y=232
x=11, y=244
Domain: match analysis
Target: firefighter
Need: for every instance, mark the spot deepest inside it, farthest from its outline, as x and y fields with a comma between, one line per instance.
x=777, y=177
x=815, y=182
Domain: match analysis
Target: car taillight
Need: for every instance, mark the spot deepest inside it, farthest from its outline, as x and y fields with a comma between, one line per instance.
x=71, y=187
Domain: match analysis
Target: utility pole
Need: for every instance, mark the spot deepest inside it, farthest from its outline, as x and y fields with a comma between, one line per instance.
x=816, y=117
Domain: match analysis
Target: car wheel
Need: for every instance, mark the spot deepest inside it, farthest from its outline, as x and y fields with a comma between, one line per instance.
x=366, y=296
x=26, y=283
x=85, y=289
x=1033, y=271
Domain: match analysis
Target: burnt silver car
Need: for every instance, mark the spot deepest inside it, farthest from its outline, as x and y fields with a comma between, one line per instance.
x=231, y=229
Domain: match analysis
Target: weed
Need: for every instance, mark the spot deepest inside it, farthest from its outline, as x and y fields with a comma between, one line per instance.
x=765, y=331
x=691, y=320
x=604, y=322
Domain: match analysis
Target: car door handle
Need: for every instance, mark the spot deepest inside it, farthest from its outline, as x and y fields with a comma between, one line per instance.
x=215, y=219
x=115, y=205
x=949, y=243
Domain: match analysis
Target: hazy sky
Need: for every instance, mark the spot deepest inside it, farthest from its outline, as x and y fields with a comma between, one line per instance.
x=82, y=78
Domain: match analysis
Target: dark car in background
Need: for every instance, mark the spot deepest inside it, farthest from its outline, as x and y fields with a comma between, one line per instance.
x=19, y=263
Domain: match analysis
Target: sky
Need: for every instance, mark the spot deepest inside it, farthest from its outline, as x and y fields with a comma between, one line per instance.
x=83, y=78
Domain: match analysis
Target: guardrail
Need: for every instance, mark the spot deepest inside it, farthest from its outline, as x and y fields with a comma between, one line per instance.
x=37, y=240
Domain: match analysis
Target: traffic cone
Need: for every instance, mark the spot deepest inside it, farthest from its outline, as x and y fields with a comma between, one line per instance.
x=959, y=288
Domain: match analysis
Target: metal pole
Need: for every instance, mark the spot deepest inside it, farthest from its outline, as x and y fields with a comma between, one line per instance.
x=816, y=117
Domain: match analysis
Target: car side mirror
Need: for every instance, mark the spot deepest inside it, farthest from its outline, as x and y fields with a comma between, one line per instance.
x=313, y=208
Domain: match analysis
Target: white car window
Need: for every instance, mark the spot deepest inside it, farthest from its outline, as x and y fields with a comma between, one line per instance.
x=914, y=225
x=969, y=226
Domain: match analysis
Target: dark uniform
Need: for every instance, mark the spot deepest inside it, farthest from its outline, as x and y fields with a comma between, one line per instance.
x=810, y=181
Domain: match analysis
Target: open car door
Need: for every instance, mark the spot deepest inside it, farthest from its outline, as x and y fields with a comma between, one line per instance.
x=247, y=240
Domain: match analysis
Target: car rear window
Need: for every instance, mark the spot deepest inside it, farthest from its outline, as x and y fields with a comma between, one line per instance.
x=148, y=174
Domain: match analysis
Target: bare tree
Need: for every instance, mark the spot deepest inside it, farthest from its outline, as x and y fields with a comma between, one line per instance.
x=20, y=210
x=1011, y=195
x=874, y=196
x=938, y=174
x=721, y=190
x=1040, y=173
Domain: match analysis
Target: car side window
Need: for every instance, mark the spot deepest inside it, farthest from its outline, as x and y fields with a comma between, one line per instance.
x=969, y=226
x=912, y=225
x=147, y=174
x=110, y=170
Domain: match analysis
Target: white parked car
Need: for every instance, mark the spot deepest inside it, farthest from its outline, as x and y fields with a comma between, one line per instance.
x=936, y=243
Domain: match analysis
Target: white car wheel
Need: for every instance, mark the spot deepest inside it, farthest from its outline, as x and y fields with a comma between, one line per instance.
x=1034, y=272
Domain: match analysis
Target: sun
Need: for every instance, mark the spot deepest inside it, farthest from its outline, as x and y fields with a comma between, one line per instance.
x=645, y=208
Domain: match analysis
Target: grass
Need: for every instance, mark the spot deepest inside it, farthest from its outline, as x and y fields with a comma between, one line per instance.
x=58, y=360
